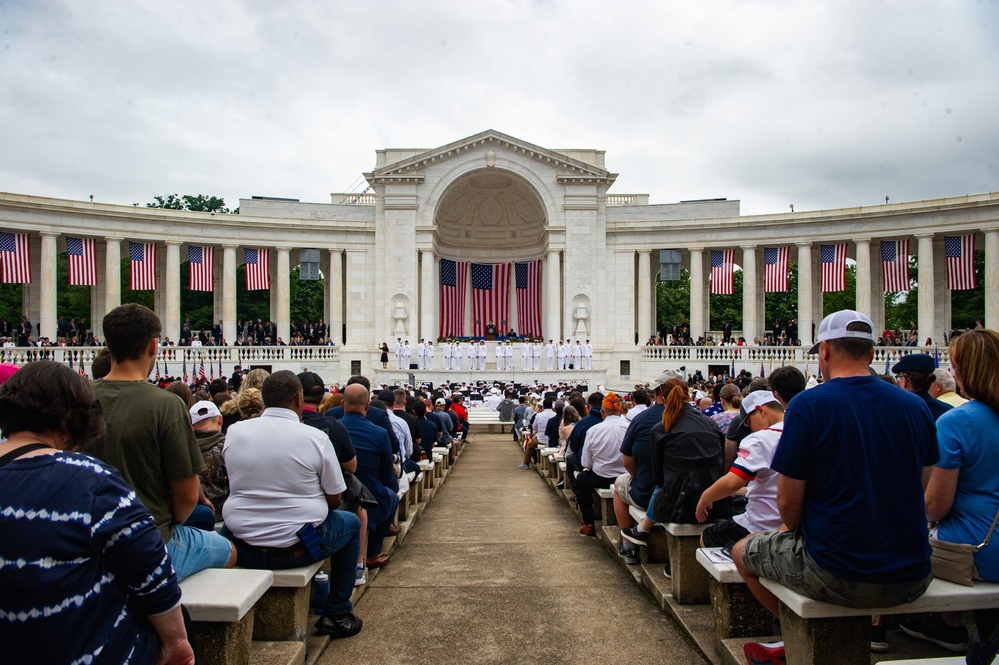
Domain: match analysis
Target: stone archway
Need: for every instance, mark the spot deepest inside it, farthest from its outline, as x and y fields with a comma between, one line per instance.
x=492, y=216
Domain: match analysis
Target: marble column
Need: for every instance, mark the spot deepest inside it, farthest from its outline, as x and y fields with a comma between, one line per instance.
x=805, y=293
x=47, y=296
x=334, y=286
x=750, y=315
x=553, y=295
x=926, y=318
x=282, y=298
x=229, y=331
x=644, y=295
x=697, y=301
x=992, y=280
x=171, y=318
x=427, y=313
x=864, y=285
x=112, y=274
x=941, y=294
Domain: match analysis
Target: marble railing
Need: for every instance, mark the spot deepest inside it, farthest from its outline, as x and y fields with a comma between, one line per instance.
x=883, y=355
x=179, y=354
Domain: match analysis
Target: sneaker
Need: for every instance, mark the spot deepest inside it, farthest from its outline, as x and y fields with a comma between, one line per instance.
x=560, y=485
x=764, y=653
x=879, y=639
x=588, y=530
x=629, y=554
x=360, y=577
x=338, y=625
x=525, y=466
x=633, y=535
x=931, y=628
x=667, y=571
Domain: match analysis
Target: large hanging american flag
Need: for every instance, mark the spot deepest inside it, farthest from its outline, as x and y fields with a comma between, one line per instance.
x=529, y=298
x=201, y=267
x=258, y=274
x=490, y=296
x=454, y=277
x=722, y=268
x=15, y=260
x=960, y=253
x=833, y=260
x=142, y=266
x=775, y=269
x=82, y=261
x=895, y=265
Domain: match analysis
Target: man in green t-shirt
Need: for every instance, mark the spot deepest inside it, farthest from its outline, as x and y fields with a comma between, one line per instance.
x=150, y=441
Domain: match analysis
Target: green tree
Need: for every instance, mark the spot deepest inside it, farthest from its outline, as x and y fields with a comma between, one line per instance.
x=782, y=305
x=673, y=300
x=726, y=308
x=72, y=302
x=968, y=306
x=10, y=304
x=127, y=294
x=251, y=305
x=306, y=298
x=846, y=299
x=901, y=307
x=196, y=202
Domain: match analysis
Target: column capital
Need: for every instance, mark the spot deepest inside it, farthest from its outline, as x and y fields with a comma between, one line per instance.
x=803, y=243
x=925, y=234
x=229, y=245
x=748, y=247
x=173, y=243
x=113, y=238
x=695, y=249
x=862, y=240
x=49, y=234
x=645, y=251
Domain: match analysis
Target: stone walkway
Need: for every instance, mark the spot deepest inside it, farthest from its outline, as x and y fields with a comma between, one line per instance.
x=495, y=572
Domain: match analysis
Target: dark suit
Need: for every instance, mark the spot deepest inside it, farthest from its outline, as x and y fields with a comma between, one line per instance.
x=378, y=417
x=374, y=469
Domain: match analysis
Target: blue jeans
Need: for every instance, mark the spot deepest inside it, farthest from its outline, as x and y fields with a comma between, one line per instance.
x=192, y=550
x=650, y=511
x=202, y=518
x=341, y=538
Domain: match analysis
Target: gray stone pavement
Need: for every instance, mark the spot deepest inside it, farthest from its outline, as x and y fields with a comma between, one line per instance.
x=495, y=572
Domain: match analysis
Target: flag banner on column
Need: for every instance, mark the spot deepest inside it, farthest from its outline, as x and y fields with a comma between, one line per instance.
x=81, y=253
x=258, y=273
x=833, y=260
x=15, y=259
x=490, y=296
x=454, y=276
x=775, y=269
x=529, y=298
x=201, y=268
x=960, y=253
x=895, y=264
x=201, y=370
x=142, y=264
x=722, y=267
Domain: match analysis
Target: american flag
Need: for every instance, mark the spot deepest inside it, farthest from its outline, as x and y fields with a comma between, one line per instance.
x=258, y=274
x=143, y=266
x=201, y=370
x=895, y=265
x=529, y=298
x=722, y=267
x=184, y=364
x=15, y=259
x=960, y=253
x=201, y=267
x=490, y=296
x=82, y=261
x=775, y=269
x=454, y=277
x=833, y=259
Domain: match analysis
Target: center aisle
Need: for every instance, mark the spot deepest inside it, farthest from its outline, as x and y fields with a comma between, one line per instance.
x=495, y=572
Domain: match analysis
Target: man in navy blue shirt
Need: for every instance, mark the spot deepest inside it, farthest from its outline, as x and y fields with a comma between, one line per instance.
x=377, y=416
x=578, y=436
x=850, y=486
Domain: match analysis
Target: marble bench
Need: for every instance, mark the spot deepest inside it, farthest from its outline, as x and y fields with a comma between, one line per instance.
x=221, y=603
x=736, y=611
x=282, y=614
x=809, y=625
x=606, y=498
x=678, y=545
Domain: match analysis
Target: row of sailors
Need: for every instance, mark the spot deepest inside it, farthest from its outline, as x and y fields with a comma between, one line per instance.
x=576, y=356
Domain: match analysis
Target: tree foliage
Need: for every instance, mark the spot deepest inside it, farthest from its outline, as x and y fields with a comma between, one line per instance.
x=195, y=202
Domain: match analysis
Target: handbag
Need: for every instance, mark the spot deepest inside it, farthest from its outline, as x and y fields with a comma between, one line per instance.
x=955, y=562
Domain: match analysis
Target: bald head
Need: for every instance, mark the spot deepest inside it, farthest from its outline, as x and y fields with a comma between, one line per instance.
x=356, y=399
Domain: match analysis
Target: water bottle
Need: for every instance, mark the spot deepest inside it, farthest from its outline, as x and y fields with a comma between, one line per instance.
x=320, y=592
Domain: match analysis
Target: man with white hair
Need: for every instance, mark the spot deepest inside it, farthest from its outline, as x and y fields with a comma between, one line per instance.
x=944, y=388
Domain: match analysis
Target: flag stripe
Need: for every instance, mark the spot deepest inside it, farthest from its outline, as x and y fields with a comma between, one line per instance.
x=895, y=265
x=142, y=266
x=258, y=274
x=529, y=298
x=201, y=264
x=775, y=269
x=722, y=268
x=960, y=252
x=833, y=259
x=490, y=296
x=453, y=278
x=81, y=253
x=15, y=258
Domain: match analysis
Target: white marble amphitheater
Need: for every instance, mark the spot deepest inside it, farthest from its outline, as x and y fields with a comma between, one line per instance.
x=493, y=198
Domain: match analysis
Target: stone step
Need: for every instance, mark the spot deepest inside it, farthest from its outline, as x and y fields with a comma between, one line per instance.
x=277, y=653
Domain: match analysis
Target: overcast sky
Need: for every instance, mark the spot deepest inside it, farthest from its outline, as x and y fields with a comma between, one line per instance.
x=819, y=103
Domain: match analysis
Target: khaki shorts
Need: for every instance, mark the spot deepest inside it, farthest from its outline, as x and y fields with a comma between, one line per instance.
x=781, y=556
x=622, y=485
